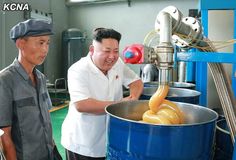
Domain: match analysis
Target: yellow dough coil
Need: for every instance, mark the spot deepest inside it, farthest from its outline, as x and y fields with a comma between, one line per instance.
x=161, y=110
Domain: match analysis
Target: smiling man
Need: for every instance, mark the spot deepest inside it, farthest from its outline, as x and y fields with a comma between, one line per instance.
x=24, y=99
x=94, y=82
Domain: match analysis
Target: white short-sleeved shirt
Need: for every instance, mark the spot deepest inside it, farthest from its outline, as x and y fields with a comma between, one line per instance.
x=85, y=133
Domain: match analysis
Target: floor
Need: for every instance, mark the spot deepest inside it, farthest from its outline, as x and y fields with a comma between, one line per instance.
x=57, y=118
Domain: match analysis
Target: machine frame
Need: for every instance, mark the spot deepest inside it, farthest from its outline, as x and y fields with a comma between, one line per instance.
x=201, y=58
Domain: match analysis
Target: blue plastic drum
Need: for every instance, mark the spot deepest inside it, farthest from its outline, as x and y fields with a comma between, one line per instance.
x=130, y=139
x=224, y=146
x=174, y=94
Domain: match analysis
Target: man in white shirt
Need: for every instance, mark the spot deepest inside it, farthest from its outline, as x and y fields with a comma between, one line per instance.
x=94, y=82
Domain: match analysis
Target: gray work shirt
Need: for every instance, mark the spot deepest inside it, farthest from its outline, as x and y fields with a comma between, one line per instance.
x=26, y=109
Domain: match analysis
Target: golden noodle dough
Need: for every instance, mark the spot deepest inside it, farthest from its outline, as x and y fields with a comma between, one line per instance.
x=163, y=111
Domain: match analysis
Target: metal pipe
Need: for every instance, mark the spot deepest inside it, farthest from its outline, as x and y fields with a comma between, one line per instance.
x=164, y=50
x=188, y=27
x=181, y=71
x=176, y=17
x=163, y=76
x=165, y=28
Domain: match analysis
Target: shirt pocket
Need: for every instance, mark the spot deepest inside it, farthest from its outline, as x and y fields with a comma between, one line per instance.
x=27, y=114
x=25, y=102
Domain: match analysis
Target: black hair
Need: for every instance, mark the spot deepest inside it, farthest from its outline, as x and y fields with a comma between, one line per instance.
x=101, y=33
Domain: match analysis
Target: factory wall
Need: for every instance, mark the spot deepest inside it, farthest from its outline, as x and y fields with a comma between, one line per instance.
x=8, y=51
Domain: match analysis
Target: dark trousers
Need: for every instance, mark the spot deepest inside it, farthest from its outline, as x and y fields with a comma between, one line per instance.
x=74, y=156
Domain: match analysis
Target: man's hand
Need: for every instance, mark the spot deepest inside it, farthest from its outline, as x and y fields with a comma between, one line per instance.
x=136, y=89
x=129, y=98
x=8, y=145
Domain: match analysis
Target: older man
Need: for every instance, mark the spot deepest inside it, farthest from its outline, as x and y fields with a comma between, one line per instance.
x=24, y=99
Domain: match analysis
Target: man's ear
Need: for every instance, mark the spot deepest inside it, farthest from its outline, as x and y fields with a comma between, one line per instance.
x=20, y=43
x=91, y=49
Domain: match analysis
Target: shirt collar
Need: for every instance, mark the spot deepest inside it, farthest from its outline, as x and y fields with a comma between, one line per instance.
x=94, y=68
x=22, y=71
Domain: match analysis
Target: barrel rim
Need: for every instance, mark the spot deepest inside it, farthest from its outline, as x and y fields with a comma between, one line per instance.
x=196, y=93
x=173, y=83
x=221, y=129
x=187, y=83
x=184, y=90
x=163, y=125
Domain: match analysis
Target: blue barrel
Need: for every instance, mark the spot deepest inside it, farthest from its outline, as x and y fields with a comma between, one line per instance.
x=174, y=94
x=224, y=146
x=173, y=85
x=130, y=139
x=234, y=155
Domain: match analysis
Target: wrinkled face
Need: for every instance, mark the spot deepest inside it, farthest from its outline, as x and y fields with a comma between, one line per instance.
x=34, y=49
x=105, y=54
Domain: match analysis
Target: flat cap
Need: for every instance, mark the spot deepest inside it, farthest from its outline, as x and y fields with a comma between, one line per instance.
x=31, y=27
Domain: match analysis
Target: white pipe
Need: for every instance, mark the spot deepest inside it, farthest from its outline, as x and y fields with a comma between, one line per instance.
x=165, y=28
